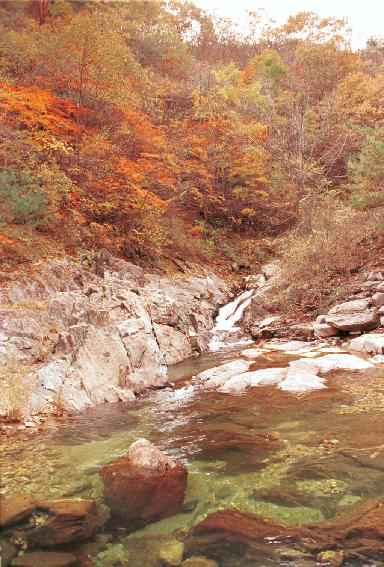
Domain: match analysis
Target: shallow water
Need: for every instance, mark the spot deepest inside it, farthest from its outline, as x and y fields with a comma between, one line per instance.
x=295, y=459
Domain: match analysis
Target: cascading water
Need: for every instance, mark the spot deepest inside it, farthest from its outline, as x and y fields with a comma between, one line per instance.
x=226, y=321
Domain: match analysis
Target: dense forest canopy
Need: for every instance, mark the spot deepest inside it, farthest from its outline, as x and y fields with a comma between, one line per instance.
x=153, y=128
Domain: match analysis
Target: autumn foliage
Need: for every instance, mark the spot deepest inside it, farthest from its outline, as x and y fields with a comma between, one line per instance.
x=152, y=128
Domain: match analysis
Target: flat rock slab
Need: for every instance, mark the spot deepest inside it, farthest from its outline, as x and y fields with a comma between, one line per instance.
x=14, y=510
x=357, y=315
x=289, y=346
x=45, y=559
x=330, y=362
x=262, y=377
x=215, y=377
x=372, y=343
x=299, y=381
x=252, y=353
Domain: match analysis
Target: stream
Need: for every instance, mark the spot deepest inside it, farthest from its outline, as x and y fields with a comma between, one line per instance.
x=293, y=458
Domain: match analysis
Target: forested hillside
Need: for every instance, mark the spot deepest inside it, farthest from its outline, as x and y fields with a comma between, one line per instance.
x=153, y=129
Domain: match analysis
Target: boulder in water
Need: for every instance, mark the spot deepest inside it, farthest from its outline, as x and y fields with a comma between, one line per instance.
x=227, y=534
x=171, y=554
x=45, y=559
x=144, y=485
x=199, y=561
x=262, y=377
x=323, y=364
x=214, y=377
x=15, y=509
x=300, y=381
x=66, y=521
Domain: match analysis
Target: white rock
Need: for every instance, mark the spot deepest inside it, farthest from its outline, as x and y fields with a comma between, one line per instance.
x=378, y=299
x=377, y=360
x=252, y=353
x=301, y=380
x=356, y=315
x=330, y=362
x=214, y=377
x=267, y=321
x=52, y=376
x=183, y=393
x=289, y=346
x=370, y=343
x=174, y=344
x=323, y=330
x=262, y=377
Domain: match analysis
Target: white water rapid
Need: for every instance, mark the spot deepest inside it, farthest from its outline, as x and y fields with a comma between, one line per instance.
x=227, y=318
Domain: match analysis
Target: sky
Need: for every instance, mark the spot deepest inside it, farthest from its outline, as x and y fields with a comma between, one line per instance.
x=366, y=17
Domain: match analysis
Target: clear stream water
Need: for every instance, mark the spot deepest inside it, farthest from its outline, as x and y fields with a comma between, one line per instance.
x=295, y=459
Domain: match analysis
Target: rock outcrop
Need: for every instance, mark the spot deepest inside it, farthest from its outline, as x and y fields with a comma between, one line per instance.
x=144, y=485
x=90, y=335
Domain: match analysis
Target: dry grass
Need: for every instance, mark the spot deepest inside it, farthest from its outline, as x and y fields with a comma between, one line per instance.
x=14, y=391
x=319, y=256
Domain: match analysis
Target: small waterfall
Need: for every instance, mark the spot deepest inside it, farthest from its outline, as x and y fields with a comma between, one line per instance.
x=227, y=318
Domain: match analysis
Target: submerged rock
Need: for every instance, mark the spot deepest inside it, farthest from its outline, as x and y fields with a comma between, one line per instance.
x=16, y=509
x=330, y=557
x=66, y=521
x=171, y=554
x=228, y=534
x=144, y=485
x=45, y=559
x=199, y=561
x=7, y=552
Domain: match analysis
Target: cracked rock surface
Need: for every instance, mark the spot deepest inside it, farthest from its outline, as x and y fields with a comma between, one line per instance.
x=103, y=334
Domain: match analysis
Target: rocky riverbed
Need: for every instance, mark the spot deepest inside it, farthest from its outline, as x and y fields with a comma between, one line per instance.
x=248, y=454
x=273, y=477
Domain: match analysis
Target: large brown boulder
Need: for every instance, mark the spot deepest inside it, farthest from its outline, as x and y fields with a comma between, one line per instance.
x=144, y=485
x=67, y=521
